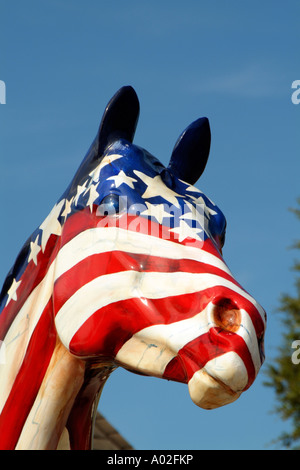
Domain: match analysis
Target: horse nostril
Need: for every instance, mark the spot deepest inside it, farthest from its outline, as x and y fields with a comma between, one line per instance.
x=226, y=315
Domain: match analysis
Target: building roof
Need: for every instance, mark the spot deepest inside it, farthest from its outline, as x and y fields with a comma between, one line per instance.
x=106, y=437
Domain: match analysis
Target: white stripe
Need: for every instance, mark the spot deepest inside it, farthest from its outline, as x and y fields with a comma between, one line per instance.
x=248, y=333
x=114, y=287
x=104, y=239
x=20, y=332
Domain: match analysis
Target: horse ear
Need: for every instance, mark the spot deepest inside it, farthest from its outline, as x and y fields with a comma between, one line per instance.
x=120, y=118
x=191, y=151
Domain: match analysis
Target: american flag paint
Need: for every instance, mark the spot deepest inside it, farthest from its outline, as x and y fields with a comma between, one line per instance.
x=126, y=270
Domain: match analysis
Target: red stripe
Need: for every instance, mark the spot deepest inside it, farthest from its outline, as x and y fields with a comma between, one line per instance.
x=107, y=330
x=28, y=380
x=117, y=261
x=209, y=346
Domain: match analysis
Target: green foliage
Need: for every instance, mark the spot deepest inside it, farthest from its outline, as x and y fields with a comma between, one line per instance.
x=283, y=374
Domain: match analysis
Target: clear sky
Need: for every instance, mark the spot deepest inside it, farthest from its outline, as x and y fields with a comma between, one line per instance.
x=234, y=62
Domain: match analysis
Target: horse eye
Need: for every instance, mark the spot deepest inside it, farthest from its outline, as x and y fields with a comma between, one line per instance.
x=222, y=239
x=110, y=205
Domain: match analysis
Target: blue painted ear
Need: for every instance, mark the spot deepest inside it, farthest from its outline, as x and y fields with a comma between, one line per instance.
x=191, y=151
x=120, y=118
x=118, y=122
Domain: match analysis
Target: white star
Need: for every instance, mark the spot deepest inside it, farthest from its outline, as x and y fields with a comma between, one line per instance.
x=34, y=251
x=193, y=189
x=12, y=292
x=93, y=196
x=67, y=208
x=184, y=231
x=81, y=188
x=95, y=174
x=156, y=187
x=157, y=211
x=121, y=178
x=200, y=201
x=196, y=212
x=51, y=224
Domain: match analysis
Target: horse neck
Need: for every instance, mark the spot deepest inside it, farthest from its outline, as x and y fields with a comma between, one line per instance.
x=46, y=393
x=54, y=399
x=30, y=340
x=65, y=407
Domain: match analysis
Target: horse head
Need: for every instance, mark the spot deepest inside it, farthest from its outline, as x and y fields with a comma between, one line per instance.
x=140, y=279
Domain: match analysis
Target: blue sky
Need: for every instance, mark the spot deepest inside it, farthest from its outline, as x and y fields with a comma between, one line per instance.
x=234, y=62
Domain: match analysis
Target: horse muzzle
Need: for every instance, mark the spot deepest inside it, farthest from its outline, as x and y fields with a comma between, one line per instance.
x=223, y=361
x=213, y=391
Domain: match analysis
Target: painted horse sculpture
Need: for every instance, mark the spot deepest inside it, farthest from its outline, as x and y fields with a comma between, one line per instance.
x=126, y=270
